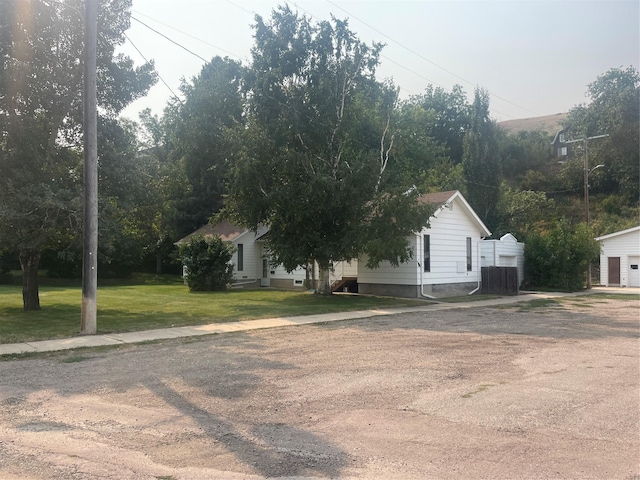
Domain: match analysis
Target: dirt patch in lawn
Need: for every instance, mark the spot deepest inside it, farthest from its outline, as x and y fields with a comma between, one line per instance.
x=464, y=393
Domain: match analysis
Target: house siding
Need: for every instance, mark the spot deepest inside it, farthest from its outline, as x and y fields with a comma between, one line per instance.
x=625, y=245
x=280, y=278
x=406, y=274
x=252, y=261
x=448, y=274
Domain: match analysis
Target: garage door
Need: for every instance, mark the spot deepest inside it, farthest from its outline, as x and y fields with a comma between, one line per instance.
x=634, y=272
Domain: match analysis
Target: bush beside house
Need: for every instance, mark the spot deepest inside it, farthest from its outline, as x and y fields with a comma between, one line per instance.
x=207, y=262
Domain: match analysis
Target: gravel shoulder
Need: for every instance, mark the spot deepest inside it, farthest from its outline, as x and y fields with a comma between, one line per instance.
x=501, y=393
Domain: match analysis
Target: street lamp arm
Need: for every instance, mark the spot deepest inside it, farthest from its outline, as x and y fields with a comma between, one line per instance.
x=585, y=138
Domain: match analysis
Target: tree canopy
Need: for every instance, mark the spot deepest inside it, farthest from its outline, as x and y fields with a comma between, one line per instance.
x=318, y=149
x=41, y=55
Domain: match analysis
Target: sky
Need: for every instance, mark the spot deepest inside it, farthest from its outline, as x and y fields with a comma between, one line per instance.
x=534, y=57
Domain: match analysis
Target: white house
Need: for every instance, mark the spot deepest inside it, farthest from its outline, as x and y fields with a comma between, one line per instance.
x=446, y=255
x=620, y=258
x=252, y=262
x=506, y=252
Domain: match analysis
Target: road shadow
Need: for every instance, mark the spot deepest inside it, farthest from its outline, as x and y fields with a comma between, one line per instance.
x=555, y=320
x=213, y=382
x=269, y=449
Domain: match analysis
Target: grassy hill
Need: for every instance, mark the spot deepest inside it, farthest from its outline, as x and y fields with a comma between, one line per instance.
x=548, y=123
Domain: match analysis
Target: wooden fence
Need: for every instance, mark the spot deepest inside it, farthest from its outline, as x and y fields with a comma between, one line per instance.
x=500, y=280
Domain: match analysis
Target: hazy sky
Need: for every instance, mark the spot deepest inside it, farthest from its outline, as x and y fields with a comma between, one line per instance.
x=535, y=57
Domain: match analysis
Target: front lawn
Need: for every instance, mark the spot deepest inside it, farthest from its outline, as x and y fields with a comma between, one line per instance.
x=158, y=304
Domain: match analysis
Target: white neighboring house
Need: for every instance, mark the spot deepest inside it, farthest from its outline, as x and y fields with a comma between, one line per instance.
x=506, y=252
x=620, y=258
x=252, y=262
x=446, y=256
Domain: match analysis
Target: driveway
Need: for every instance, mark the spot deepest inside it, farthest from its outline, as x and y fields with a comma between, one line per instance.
x=515, y=392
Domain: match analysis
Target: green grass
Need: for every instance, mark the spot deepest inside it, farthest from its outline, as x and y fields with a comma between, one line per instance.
x=150, y=303
x=615, y=296
x=584, y=301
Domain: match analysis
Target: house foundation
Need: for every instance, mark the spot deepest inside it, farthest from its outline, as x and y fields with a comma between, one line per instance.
x=413, y=291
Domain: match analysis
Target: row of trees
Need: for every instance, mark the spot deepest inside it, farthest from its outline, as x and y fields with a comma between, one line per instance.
x=304, y=138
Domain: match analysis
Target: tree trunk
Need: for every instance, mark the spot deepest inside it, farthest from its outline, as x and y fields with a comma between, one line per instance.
x=159, y=263
x=29, y=262
x=324, y=286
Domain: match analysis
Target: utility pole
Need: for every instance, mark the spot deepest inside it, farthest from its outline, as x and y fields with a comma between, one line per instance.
x=88, y=322
x=587, y=172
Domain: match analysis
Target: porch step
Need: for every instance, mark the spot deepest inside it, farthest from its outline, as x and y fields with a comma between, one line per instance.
x=350, y=283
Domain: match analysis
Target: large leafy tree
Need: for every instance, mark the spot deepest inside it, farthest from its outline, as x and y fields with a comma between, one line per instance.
x=166, y=181
x=481, y=161
x=317, y=149
x=421, y=157
x=451, y=117
x=201, y=144
x=41, y=57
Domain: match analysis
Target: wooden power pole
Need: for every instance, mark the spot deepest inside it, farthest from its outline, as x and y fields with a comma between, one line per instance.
x=88, y=323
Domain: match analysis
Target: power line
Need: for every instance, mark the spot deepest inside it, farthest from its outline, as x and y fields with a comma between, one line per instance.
x=399, y=64
x=241, y=8
x=159, y=76
x=281, y=103
x=430, y=61
x=206, y=61
x=319, y=19
x=172, y=41
x=189, y=35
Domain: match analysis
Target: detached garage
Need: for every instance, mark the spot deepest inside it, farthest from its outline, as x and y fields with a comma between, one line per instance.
x=620, y=258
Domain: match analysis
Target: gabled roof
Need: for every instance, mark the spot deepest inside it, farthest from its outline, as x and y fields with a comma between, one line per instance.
x=615, y=234
x=437, y=198
x=444, y=199
x=226, y=230
x=508, y=236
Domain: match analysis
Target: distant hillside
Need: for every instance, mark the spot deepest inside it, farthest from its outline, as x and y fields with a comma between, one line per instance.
x=548, y=123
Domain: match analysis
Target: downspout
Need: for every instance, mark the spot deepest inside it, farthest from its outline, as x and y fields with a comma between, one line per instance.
x=420, y=243
x=479, y=269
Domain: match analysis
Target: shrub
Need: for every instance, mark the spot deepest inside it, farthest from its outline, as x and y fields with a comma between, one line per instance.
x=208, y=263
x=558, y=258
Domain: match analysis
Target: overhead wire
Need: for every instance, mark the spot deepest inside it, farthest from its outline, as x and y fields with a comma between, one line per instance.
x=159, y=76
x=285, y=104
x=410, y=70
x=250, y=12
x=171, y=40
x=415, y=53
x=187, y=35
x=419, y=55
